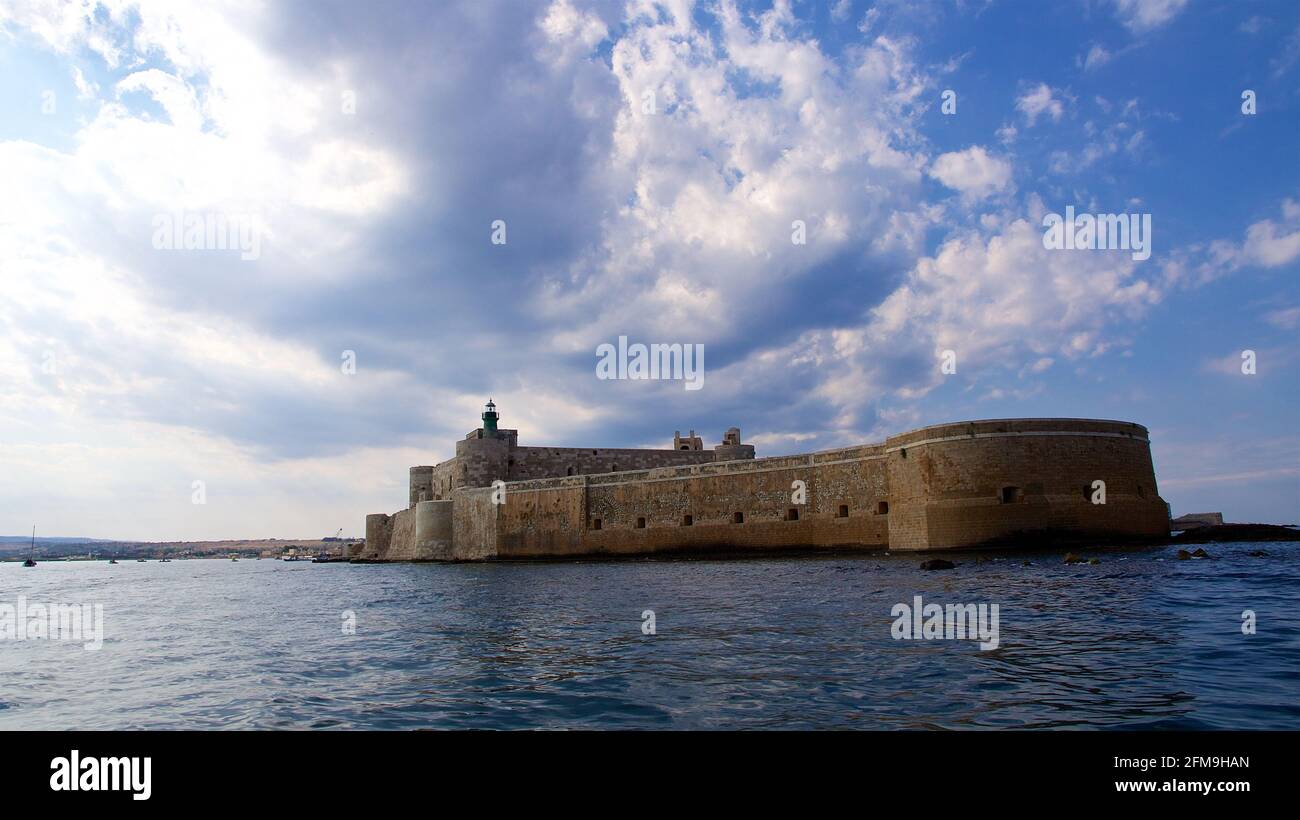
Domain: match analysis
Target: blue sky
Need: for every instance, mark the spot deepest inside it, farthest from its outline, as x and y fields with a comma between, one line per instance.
x=371, y=153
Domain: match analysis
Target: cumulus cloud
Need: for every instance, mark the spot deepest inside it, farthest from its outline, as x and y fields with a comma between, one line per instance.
x=973, y=172
x=1140, y=16
x=1040, y=101
x=1267, y=244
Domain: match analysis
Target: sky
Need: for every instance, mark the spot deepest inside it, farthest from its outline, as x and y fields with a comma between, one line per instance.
x=415, y=207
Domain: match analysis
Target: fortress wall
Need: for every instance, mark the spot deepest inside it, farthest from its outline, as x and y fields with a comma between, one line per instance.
x=557, y=518
x=445, y=479
x=401, y=537
x=946, y=483
x=421, y=485
x=433, y=483
x=544, y=520
x=480, y=461
x=433, y=531
x=474, y=525
x=939, y=487
x=526, y=463
x=378, y=533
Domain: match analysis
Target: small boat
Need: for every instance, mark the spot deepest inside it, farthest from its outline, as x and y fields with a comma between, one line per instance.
x=112, y=560
x=166, y=561
x=31, y=561
x=141, y=560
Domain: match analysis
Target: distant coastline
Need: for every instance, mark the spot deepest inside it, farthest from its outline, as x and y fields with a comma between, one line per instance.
x=16, y=548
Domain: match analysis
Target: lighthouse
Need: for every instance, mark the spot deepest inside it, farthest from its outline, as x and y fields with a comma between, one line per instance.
x=490, y=420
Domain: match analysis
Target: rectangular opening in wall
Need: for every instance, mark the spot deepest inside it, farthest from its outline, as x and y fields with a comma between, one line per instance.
x=843, y=511
x=640, y=523
x=595, y=523
x=792, y=514
x=882, y=508
x=1012, y=495
x=688, y=520
x=738, y=518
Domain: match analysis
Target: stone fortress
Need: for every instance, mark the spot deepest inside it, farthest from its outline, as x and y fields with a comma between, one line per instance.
x=994, y=483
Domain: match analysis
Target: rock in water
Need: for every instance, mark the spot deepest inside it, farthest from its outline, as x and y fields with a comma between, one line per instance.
x=937, y=563
x=1200, y=553
x=1094, y=560
x=1071, y=558
x=1258, y=554
x=1184, y=555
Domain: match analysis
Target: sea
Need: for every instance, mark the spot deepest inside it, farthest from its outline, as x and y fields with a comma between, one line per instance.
x=1140, y=640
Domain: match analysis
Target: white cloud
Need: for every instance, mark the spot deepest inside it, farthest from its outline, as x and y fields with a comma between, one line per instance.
x=86, y=89
x=571, y=33
x=1140, y=16
x=1253, y=25
x=1267, y=244
x=720, y=177
x=1285, y=318
x=1039, y=101
x=973, y=172
x=1097, y=56
x=175, y=96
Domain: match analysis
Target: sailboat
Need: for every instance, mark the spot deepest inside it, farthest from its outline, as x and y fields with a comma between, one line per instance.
x=31, y=561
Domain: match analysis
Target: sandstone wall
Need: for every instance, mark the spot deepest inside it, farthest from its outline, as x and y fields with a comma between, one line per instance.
x=378, y=533
x=474, y=525
x=433, y=531
x=401, y=537
x=991, y=482
x=694, y=508
x=421, y=485
x=527, y=463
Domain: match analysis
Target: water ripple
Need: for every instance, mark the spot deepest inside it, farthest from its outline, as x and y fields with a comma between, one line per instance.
x=1139, y=641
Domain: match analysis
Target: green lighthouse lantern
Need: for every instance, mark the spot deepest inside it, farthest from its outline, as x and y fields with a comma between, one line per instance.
x=490, y=419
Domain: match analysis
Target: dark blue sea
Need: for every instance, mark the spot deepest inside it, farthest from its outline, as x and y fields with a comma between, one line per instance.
x=1139, y=641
